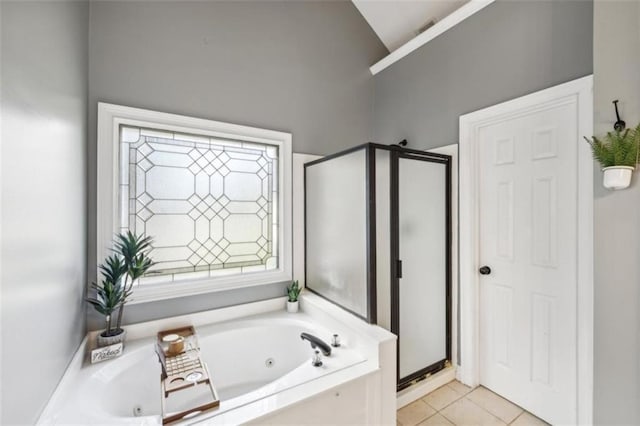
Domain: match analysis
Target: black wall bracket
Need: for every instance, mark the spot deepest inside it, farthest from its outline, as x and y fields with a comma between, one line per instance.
x=619, y=125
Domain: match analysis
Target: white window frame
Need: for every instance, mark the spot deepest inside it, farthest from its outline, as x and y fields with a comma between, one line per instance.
x=110, y=118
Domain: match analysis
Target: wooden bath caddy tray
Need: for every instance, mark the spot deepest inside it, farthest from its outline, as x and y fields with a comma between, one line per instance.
x=184, y=376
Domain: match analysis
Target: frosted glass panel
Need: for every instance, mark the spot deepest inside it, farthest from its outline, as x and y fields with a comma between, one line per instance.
x=209, y=204
x=423, y=246
x=336, y=233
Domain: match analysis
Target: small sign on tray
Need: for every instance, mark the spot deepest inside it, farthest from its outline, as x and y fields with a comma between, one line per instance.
x=107, y=352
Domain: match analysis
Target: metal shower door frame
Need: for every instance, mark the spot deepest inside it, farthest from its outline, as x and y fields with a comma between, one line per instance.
x=396, y=152
x=396, y=264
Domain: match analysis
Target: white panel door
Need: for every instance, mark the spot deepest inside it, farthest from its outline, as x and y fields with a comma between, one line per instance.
x=528, y=231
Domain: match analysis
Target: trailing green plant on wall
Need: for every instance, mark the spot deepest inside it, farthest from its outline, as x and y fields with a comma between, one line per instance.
x=129, y=261
x=618, y=148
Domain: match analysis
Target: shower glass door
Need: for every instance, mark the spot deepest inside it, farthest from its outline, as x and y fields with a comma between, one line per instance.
x=421, y=271
x=340, y=261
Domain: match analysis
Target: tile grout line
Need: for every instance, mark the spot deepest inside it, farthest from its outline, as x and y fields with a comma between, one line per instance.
x=424, y=420
x=452, y=402
x=439, y=411
x=518, y=416
x=486, y=411
x=466, y=397
x=421, y=420
x=494, y=415
x=432, y=414
x=443, y=415
x=448, y=419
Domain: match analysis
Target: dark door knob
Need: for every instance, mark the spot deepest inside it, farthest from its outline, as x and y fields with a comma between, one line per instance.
x=484, y=270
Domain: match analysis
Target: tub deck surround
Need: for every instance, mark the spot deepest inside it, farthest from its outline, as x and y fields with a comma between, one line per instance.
x=259, y=364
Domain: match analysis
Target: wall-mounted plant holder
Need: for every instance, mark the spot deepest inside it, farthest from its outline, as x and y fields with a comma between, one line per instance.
x=617, y=177
x=618, y=153
x=619, y=125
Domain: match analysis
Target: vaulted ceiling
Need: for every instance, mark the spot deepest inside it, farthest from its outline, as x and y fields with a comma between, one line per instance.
x=397, y=22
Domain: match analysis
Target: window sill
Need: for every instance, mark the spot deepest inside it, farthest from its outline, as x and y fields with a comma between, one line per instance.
x=177, y=289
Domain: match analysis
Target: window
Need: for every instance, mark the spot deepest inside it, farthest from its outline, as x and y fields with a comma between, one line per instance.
x=214, y=196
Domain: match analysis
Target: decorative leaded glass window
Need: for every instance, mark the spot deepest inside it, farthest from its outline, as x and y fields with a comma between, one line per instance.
x=215, y=197
x=207, y=202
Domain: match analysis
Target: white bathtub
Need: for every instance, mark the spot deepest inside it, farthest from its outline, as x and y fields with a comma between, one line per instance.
x=253, y=361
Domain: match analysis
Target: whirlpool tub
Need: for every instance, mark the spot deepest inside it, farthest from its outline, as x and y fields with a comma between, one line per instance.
x=259, y=364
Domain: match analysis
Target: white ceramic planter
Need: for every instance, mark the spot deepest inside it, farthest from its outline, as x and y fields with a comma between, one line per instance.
x=292, y=307
x=617, y=177
x=111, y=340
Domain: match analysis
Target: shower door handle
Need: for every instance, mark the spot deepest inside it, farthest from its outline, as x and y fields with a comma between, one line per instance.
x=399, y=268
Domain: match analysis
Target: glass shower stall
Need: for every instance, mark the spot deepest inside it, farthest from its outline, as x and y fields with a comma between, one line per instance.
x=378, y=244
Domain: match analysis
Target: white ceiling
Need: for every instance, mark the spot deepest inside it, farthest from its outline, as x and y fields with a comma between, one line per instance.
x=397, y=22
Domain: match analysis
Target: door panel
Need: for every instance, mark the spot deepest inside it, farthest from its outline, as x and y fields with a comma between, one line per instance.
x=528, y=233
x=423, y=246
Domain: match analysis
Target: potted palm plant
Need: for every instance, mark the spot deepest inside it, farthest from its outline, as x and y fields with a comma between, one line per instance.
x=128, y=262
x=618, y=154
x=293, y=292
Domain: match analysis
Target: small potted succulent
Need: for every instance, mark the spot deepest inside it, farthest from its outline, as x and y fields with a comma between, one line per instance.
x=293, y=292
x=617, y=153
x=128, y=262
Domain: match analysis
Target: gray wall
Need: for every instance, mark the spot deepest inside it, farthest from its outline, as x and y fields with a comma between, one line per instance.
x=44, y=110
x=506, y=50
x=510, y=49
x=300, y=67
x=617, y=222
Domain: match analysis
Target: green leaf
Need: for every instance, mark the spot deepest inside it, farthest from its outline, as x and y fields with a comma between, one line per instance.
x=617, y=148
x=108, y=297
x=293, y=291
x=134, y=249
x=129, y=261
x=113, y=268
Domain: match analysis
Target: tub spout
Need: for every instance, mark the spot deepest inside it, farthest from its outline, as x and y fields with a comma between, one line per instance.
x=317, y=343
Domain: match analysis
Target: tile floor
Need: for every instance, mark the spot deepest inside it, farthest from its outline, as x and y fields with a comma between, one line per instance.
x=456, y=404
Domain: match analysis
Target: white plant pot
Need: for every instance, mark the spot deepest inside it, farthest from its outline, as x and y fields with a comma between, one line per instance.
x=103, y=341
x=292, y=307
x=617, y=177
